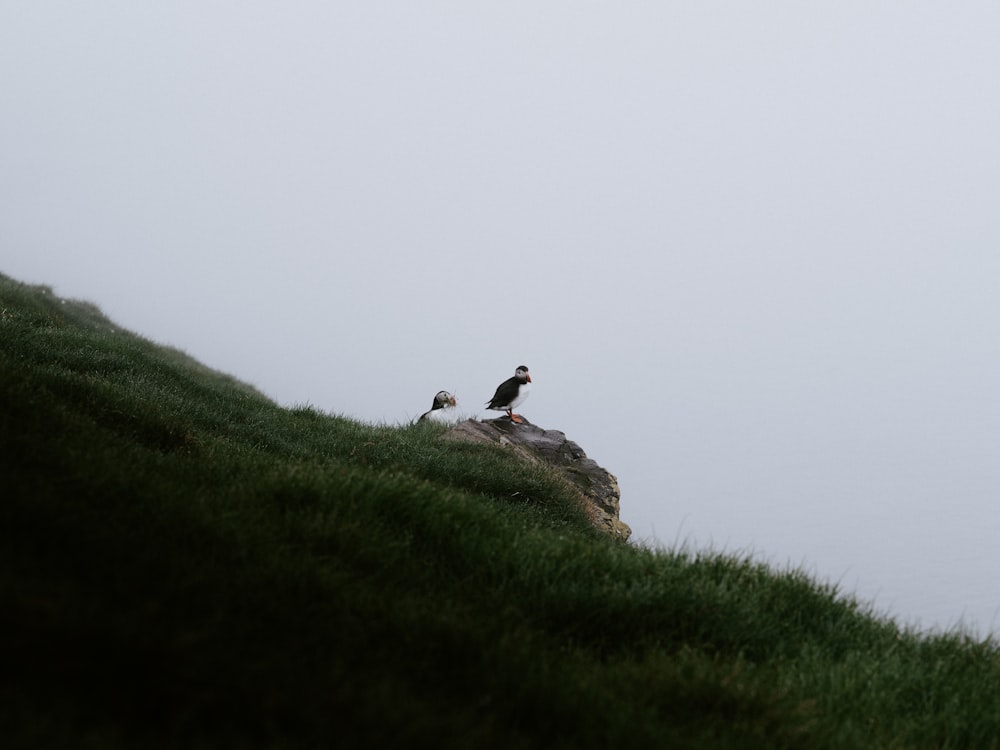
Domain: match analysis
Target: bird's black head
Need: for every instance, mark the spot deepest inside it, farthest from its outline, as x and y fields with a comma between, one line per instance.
x=443, y=399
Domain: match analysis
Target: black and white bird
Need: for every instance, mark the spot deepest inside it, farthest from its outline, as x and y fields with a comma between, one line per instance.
x=510, y=393
x=442, y=410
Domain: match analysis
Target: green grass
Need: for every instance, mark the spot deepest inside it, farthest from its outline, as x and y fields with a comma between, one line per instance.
x=186, y=564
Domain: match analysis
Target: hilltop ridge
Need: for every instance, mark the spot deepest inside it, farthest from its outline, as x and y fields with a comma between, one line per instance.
x=184, y=563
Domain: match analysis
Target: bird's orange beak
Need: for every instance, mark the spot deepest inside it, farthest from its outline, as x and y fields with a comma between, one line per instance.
x=528, y=377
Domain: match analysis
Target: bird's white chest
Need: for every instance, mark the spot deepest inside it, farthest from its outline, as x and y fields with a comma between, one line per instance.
x=522, y=393
x=446, y=415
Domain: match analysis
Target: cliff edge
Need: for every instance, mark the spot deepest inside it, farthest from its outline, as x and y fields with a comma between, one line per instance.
x=600, y=495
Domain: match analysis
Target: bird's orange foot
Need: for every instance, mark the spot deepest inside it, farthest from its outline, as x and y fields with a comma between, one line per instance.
x=517, y=419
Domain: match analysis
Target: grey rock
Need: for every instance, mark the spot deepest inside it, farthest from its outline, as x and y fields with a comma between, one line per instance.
x=600, y=495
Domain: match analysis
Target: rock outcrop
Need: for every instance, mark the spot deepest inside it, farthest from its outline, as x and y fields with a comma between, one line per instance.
x=598, y=488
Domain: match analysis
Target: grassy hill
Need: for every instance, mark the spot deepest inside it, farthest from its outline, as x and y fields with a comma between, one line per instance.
x=184, y=563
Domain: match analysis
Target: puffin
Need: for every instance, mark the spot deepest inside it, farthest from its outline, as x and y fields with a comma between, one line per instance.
x=510, y=393
x=443, y=402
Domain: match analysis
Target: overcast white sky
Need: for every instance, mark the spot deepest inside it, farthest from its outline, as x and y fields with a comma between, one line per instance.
x=750, y=251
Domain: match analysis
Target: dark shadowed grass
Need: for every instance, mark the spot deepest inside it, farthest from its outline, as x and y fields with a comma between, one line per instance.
x=185, y=564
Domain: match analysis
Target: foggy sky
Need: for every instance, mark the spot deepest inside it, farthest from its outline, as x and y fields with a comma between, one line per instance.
x=750, y=251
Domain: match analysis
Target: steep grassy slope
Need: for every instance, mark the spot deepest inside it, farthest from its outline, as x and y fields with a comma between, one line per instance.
x=185, y=564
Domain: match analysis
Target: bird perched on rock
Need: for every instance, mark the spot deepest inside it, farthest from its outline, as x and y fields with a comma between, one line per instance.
x=510, y=393
x=442, y=410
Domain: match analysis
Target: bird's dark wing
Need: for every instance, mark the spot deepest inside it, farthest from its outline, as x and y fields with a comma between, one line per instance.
x=506, y=392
